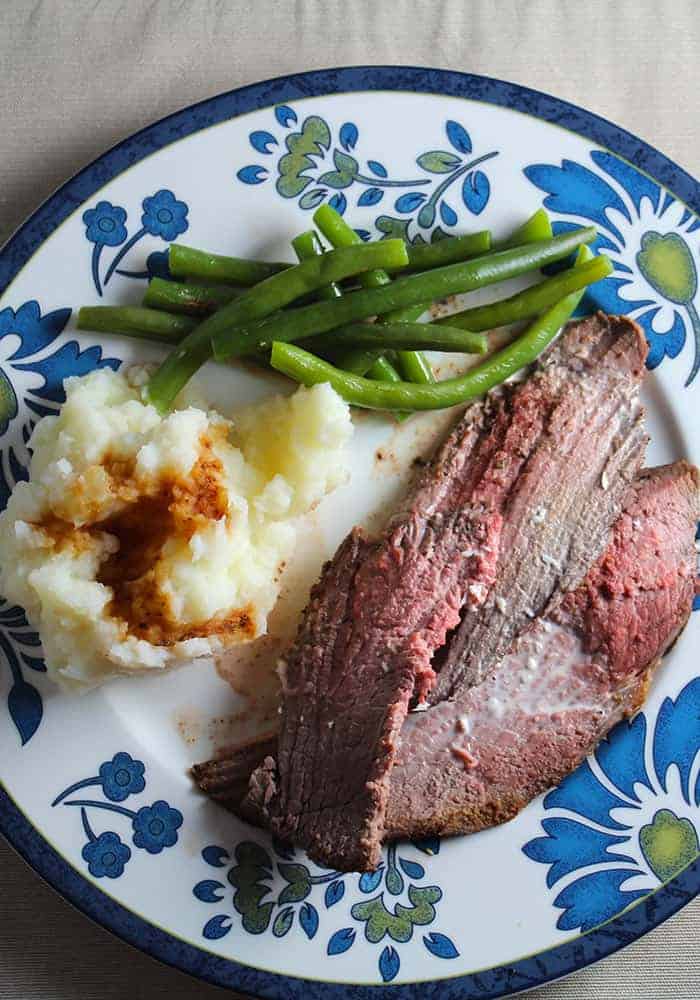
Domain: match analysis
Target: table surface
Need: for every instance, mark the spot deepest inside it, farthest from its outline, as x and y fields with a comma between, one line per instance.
x=78, y=77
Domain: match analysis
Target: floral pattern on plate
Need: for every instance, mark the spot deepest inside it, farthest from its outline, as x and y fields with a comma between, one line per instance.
x=35, y=358
x=163, y=217
x=153, y=827
x=648, y=235
x=257, y=871
x=613, y=829
x=303, y=172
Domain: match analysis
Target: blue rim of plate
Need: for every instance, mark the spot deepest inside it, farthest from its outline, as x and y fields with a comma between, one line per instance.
x=500, y=981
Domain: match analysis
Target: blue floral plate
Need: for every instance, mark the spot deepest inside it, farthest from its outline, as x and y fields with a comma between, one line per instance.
x=95, y=792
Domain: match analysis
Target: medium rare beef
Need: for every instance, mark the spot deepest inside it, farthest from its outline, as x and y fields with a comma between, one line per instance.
x=382, y=609
x=475, y=761
x=365, y=645
x=567, y=443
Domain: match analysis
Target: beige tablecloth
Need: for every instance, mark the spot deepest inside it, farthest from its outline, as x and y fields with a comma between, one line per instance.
x=77, y=75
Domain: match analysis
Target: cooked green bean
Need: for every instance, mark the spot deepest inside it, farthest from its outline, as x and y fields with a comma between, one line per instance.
x=187, y=262
x=426, y=256
x=135, y=321
x=310, y=370
x=354, y=359
x=379, y=368
x=260, y=301
x=531, y=301
x=307, y=245
x=187, y=298
x=340, y=234
x=413, y=289
x=413, y=365
x=200, y=265
x=537, y=227
x=400, y=336
x=421, y=257
x=382, y=370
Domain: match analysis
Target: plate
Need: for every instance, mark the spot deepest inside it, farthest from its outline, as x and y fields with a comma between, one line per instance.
x=95, y=789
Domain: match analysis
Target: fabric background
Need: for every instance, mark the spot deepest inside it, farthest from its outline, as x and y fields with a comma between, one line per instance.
x=78, y=75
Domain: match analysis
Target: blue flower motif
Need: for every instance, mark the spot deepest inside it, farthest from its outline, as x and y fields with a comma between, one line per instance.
x=348, y=135
x=106, y=855
x=156, y=826
x=164, y=216
x=645, y=231
x=121, y=777
x=615, y=829
x=105, y=224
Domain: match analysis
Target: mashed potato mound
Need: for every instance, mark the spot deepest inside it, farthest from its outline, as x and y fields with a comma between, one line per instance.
x=140, y=540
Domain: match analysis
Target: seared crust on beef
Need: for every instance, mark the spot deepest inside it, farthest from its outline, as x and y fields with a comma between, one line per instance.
x=225, y=778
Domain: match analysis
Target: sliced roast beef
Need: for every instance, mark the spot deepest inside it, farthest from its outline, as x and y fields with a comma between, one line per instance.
x=365, y=645
x=571, y=434
x=226, y=778
x=475, y=761
x=573, y=440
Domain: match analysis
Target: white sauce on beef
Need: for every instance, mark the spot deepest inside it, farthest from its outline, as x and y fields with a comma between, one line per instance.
x=549, y=674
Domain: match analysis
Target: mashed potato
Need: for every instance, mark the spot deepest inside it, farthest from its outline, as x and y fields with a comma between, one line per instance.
x=142, y=540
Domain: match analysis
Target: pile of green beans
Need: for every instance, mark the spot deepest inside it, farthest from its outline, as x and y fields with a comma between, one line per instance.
x=321, y=317
x=261, y=301
x=234, y=307
x=309, y=370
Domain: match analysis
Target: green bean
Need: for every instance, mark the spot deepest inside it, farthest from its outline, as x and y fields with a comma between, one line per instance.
x=187, y=298
x=187, y=262
x=308, y=245
x=200, y=265
x=426, y=256
x=400, y=336
x=374, y=366
x=340, y=234
x=411, y=290
x=382, y=370
x=421, y=257
x=259, y=302
x=378, y=367
x=537, y=227
x=135, y=321
x=413, y=365
x=354, y=359
x=531, y=301
x=310, y=370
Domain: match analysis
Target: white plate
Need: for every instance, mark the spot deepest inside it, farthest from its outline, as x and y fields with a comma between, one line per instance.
x=398, y=150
